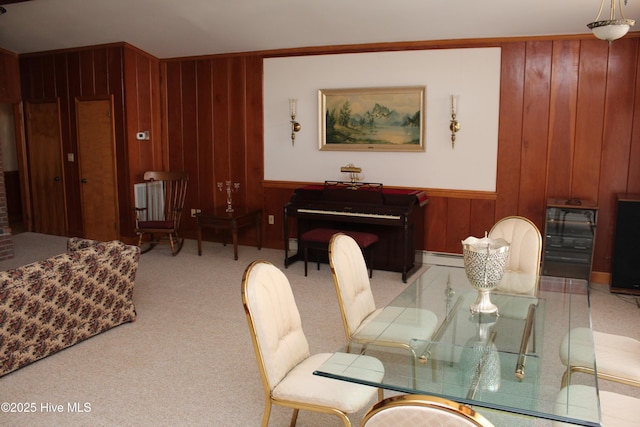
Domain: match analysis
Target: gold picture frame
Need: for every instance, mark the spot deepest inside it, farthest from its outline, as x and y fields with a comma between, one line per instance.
x=372, y=119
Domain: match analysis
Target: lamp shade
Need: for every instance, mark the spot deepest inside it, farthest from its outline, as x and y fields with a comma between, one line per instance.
x=611, y=30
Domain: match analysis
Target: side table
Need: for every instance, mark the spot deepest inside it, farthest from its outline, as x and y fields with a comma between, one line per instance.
x=220, y=219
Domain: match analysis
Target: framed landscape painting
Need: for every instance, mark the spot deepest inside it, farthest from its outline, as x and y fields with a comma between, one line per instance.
x=372, y=119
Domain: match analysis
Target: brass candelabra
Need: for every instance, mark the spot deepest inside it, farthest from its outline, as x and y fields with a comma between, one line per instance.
x=230, y=188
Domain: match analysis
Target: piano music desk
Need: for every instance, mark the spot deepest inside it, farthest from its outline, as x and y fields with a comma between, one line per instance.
x=220, y=219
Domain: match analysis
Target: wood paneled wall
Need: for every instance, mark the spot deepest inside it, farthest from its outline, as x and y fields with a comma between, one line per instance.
x=131, y=77
x=143, y=112
x=567, y=116
x=569, y=128
x=213, y=119
x=566, y=129
x=9, y=77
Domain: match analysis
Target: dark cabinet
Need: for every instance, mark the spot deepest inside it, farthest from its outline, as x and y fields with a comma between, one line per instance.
x=625, y=271
x=569, y=237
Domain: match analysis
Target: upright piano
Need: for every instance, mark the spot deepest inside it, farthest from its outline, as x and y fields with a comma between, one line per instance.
x=395, y=215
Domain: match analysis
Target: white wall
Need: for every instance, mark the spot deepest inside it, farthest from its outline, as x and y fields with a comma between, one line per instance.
x=473, y=75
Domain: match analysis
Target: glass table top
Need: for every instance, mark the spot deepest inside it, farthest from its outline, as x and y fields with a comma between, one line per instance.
x=429, y=342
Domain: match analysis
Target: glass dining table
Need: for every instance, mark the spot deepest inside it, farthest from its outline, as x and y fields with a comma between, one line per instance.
x=507, y=366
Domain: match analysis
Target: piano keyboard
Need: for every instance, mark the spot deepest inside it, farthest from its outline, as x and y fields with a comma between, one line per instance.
x=343, y=213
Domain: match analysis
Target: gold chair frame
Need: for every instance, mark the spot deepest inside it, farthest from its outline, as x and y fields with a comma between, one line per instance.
x=585, y=370
x=433, y=402
x=571, y=369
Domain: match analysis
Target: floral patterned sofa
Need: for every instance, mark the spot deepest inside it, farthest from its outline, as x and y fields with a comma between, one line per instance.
x=53, y=304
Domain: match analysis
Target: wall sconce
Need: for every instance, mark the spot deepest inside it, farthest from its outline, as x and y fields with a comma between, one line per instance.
x=454, y=126
x=612, y=28
x=295, y=126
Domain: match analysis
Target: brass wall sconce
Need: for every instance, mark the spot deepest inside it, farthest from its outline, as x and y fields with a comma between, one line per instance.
x=295, y=126
x=454, y=126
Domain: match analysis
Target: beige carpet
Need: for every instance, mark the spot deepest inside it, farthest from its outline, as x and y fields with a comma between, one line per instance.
x=188, y=358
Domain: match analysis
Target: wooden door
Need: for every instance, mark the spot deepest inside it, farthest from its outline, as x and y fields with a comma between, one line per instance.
x=96, y=156
x=44, y=150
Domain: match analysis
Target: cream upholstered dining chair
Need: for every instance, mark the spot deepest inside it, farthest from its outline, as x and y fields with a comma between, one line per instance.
x=415, y=410
x=525, y=253
x=617, y=357
x=616, y=410
x=282, y=351
x=364, y=323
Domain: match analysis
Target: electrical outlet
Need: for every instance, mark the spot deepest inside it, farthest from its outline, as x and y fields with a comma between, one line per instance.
x=195, y=212
x=271, y=219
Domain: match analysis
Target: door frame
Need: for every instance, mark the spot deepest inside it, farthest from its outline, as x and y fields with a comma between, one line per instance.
x=23, y=164
x=19, y=125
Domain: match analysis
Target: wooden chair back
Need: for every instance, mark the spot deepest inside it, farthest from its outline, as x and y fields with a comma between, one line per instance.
x=159, y=205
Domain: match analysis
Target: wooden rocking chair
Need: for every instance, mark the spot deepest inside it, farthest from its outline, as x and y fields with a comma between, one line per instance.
x=159, y=202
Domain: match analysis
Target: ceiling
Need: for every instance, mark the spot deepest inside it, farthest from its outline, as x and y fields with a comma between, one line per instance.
x=178, y=28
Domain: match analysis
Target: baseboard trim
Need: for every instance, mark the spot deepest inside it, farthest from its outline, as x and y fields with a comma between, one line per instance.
x=600, y=277
x=442, y=258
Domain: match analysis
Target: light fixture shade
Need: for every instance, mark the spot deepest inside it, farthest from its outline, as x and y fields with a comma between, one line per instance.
x=612, y=29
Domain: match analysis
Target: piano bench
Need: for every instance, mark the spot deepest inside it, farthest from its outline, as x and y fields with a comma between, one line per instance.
x=318, y=239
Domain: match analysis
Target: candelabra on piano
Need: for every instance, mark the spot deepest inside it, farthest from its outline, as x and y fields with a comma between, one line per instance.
x=230, y=189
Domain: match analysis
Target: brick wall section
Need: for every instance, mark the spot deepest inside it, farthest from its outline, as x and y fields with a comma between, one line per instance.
x=6, y=242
